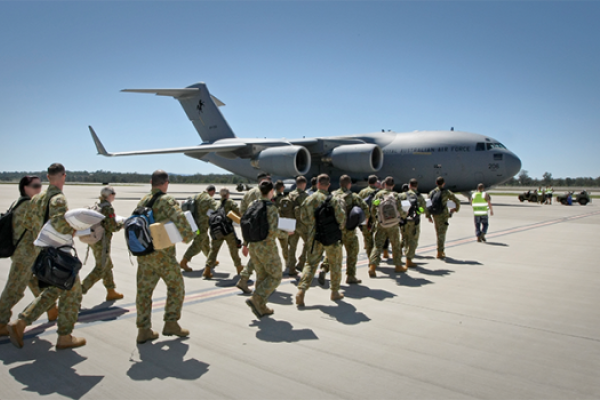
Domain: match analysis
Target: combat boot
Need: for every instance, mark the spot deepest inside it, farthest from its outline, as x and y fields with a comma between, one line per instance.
x=172, y=328
x=483, y=237
x=440, y=255
x=400, y=268
x=386, y=254
x=352, y=280
x=184, y=265
x=372, y=273
x=410, y=264
x=3, y=330
x=336, y=295
x=112, y=294
x=266, y=310
x=239, y=269
x=52, y=314
x=479, y=239
x=69, y=342
x=146, y=334
x=243, y=285
x=254, y=304
x=300, y=297
x=16, y=331
x=207, y=274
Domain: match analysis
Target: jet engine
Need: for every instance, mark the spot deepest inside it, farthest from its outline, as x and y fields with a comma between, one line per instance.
x=356, y=158
x=283, y=160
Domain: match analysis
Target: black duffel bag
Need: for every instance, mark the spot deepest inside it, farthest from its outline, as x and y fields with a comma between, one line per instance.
x=55, y=267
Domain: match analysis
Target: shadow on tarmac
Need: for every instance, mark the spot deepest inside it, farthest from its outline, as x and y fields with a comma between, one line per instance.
x=450, y=260
x=343, y=312
x=162, y=360
x=361, y=292
x=58, y=377
x=272, y=330
x=102, y=312
x=496, y=244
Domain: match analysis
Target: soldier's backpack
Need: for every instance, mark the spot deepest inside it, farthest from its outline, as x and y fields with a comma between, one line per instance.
x=436, y=207
x=220, y=226
x=137, y=229
x=327, y=228
x=370, y=197
x=254, y=222
x=413, y=211
x=286, y=208
x=355, y=217
x=7, y=247
x=387, y=211
x=96, y=231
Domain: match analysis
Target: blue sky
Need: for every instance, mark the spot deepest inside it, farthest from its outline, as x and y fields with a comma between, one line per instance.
x=525, y=73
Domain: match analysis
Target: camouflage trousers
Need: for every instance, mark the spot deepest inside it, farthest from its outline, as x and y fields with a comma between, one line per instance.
x=350, y=243
x=268, y=268
x=314, y=255
x=159, y=265
x=403, y=243
x=368, y=239
x=381, y=234
x=284, y=243
x=19, y=277
x=293, y=245
x=248, y=269
x=100, y=272
x=201, y=243
x=441, y=227
x=216, y=246
x=411, y=238
x=69, y=302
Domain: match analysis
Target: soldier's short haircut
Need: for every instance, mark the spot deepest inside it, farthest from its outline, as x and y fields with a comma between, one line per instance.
x=224, y=192
x=404, y=188
x=440, y=181
x=313, y=181
x=56, y=169
x=265, y=187
x=344, y=180
x=389, y=181
x=211, y=188
x=373, y=179
x=480, y=186
x=300, y=179
x=263, y=176
x=323, y=179
x=159, y=178
x=413, y=182
x=279, y=184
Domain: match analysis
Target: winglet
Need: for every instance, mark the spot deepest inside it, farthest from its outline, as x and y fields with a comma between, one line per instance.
x=99, y=145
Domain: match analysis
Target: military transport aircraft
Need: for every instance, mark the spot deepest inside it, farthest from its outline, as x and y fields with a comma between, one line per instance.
x=463, y=159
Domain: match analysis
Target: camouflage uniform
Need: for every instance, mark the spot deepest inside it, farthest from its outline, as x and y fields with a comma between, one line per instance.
x=266, y=258
x=315, y=249
x=381, y=234
x=441, y=220
x=101, y=250
x=283, y=241
x=69, y=300
x=298, y=196
x=20, y=275
x=161, y=264
x=204, y=202
x=249, y=197
x=367, y=230
x=231, y=240
x=349, y=238
x=411, y=230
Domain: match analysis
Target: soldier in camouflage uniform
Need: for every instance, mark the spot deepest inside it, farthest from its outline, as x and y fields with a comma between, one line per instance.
x=161, y=264
x=20, y=275
x=52, y=202
x=266, y=258
x=298, y=196
x=231, y=239
x=315, y=248
x=367, y=229
x=412, y=218
x=441, y=220
x=381, y=233
x=204, y=203
x=101, y=249
x=349, y=238
x=249, y=197
x=277, y=200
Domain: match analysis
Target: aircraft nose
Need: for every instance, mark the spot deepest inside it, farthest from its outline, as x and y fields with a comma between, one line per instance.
x=513, y=164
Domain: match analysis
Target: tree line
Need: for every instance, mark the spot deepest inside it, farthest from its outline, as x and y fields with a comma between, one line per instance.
x=107, y=177
x=523, y=179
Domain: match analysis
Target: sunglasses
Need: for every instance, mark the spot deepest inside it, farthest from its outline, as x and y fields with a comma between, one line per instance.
x=35, y=185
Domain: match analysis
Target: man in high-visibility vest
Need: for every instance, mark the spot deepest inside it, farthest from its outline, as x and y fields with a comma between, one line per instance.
x=482, y=204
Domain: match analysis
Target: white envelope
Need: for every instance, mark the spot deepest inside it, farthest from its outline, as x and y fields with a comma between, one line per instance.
x=190, y=220
x=428, y=203
x=405, y=205
x=173, y=232
x=287, y=224
x=451, y=204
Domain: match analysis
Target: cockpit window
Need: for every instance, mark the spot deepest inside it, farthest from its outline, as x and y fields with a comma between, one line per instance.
x=491, y=146
x=480, y=147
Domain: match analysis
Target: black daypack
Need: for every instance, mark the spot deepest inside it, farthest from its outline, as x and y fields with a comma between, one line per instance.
x=371, y=197
x=413, y=214
x=327, y=228
x=436, y=207
x=137, y=229
x=220, y=225
x=7, y=247
x=254, y=222
x=355, y=217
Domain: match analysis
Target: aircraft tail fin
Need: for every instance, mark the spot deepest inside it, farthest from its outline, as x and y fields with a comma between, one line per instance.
x=201, y=108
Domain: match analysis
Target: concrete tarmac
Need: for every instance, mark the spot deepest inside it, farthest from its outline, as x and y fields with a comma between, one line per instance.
x=516, y=318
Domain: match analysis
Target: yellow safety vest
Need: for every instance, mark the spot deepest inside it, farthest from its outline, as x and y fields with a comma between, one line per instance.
x=480, y=204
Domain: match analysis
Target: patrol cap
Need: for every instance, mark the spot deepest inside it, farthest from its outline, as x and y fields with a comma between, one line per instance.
x=211, y=188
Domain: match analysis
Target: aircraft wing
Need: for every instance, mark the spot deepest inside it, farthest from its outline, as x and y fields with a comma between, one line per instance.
x=197, y=150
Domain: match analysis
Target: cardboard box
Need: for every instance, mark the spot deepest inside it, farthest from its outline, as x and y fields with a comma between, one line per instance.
x=164, y=234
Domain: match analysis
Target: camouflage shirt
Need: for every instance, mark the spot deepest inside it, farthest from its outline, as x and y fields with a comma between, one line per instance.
x=363, y=194
x=446, y=195
x=229, y=205
x=25, y=246
x=309, y=206
x=36, y=212
x=249, y=197
x=352, y=200
x=109, y=223
x=204, y=202
x=166, y=208
x=298, y=196
x=420, y=203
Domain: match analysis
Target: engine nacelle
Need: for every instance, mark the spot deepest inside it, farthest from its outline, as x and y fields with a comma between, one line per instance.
x=283, y=160
x=356, y=158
